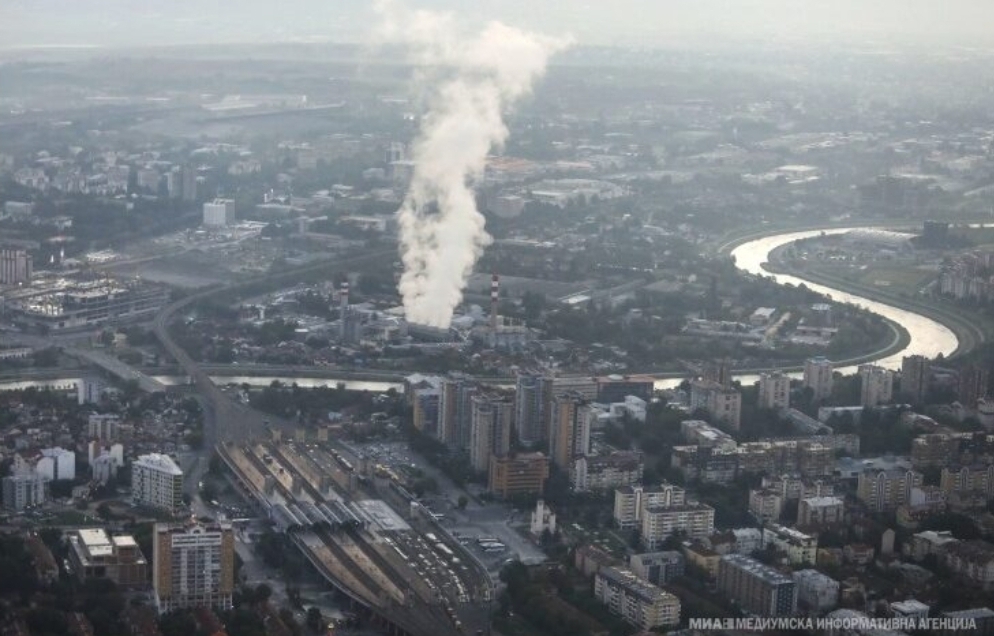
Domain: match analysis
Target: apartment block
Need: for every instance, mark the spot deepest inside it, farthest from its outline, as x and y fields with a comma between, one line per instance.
x=635, y=601
x=193, y=566
x=756, y=588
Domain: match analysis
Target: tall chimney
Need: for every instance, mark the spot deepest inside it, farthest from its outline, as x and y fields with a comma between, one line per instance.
x=494, y=297
x=343, y=297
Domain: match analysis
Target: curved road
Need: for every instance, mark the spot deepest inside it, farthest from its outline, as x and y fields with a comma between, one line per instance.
x=225, y=419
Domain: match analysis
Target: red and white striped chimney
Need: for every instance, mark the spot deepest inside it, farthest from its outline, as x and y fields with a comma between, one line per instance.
x=494, y=298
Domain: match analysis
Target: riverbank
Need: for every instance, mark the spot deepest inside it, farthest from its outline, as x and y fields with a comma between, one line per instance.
x=969, y=330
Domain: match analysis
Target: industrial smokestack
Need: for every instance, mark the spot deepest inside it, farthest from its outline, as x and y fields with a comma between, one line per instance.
x=343, y=297
x=494, y=298
x=469, y=81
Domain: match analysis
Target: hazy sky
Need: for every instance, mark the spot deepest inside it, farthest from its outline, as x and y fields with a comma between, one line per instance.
x=642, y=22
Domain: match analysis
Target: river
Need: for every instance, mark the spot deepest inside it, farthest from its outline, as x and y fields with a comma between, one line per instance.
x=928, y=337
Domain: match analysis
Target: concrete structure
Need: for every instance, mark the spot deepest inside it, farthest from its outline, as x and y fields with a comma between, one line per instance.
x=818, y=377
x=194, y=566
x=490, y=429
x=542, y=519
x=636, y=602
x=820, y=511
x=816, y=591
x=157, y=482
x=722, y=403
x=605, y=472
x=455, y=411
x=56, y=464
x=531, y=407
x=569, y=429
x=219, y=213
x=22, y=491
x=774, y=390
x=765, y=505
x=756, y=588
x=521, y=474
x=978, y=478
x=629, y=502
x=659, y=522
x=16, y=267
x=103, y=426
x=883, y=490
x=876, y=385
x=658, y=568
x=93, y=554
x=748, y=540
x=915, y=375
x=973, y=560
x=909, y=609
x=700, y=433
x=800, y=548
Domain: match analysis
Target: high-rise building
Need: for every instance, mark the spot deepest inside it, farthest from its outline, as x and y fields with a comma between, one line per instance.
x=426, y=410
x=157, y=482
x=974, y=382
x=635, y=601
x=631, y=501
x=219, y=213
x=876, y=385
x=521, y=474
x=756, y=588
x=56, y=464
x=490, y=432
x=915, y=371
x=569, y=430
x=531, y=407
x=884, y=490
x=774, y=390
x=103, y=426
x=722, y=403
x=818, y=377
x=16, y=267
x=660, y=522
x=193, y=566
x=455, y=411
x=24, y=490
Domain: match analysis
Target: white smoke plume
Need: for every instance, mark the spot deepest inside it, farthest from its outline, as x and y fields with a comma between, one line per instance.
x=469, y=81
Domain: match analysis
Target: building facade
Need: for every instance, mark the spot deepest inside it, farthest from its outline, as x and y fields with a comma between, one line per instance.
x=194, y=566
x=157, y=482
x=818, y=377
x=635, y=601
x=756, y=588
x=521, y=474
x=774, y=390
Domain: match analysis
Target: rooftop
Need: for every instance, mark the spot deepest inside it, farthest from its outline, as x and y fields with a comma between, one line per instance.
x=159, y=462
x=764, y=572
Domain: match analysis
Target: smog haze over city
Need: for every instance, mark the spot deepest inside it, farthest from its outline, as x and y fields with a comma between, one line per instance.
x=494, y=317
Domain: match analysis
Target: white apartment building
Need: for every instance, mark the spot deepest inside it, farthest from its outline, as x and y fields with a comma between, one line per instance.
x=631, y=500
x=24, y=490
x=56, y=463
x=800, y=548
x=157, y=481
x=219, y=213
x=635, y=601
